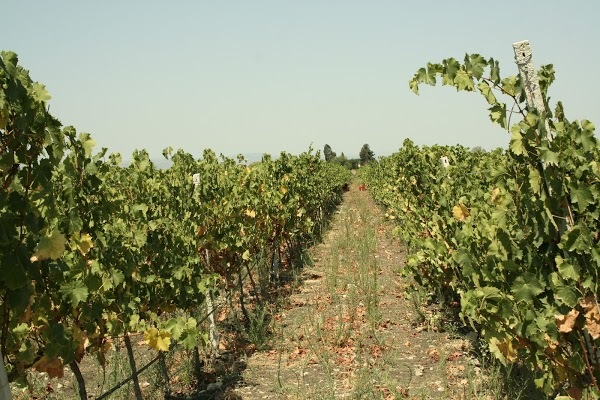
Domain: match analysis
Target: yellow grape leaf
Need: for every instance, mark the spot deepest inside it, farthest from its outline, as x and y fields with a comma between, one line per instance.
x=50, y=247
x=251, y=213
x=283, y=190
x=201, y=230
x=84, y=243
x=565, y=323
x=507, y=350
x=157, y=340
x=460, y=212
x=503, y=349
x=52, y=366
x=246, y=255
x=552, y=345
x=592, y=316
x=495, y=195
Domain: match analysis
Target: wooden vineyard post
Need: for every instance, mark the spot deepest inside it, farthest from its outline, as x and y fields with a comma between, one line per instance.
x=5, y=393
x=213, y=333
x=531, y=82
x=535, y=101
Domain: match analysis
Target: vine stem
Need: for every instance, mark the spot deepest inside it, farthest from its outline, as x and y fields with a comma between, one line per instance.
x=587, y=361
x=80, y=381
x=242, y=306
x=134, y=372
x=165, y=371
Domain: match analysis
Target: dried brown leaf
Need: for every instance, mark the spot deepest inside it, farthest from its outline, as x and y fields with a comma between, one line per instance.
x=592, y=316
x=565, y=323
x=52, y=366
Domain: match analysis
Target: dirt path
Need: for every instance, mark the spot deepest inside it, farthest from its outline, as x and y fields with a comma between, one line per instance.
x=351, y=331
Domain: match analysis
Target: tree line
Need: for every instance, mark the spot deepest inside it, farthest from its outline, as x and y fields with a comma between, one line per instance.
x=366, y=155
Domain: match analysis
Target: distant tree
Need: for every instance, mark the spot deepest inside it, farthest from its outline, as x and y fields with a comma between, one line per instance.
x=366, y=155
x=477, y=149
x=343, y=161
x=328, y=153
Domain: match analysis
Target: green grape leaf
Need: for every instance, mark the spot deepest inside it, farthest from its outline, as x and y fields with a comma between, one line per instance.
x=508, y=85
x=413, y=84
x=117, y=277
x=516, y=140
x=463, y=81
x=50, y=247
x=426, y=76
x=87, y=142
x=21, y=330
x=486, y=91
x=40, y=93
x=587, y=125
x=526, y=288
x=475, y=65
x=566, y=294
x=498, y=114
x=12, y=271
x=450, y=68
x=190, y=341
x=74, y=291
x=535, y=180
x=581, y=194
x=567, y=270
x=548, y=156
x=494, y=71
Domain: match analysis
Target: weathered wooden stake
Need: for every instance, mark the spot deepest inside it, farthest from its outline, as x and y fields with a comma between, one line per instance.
x=531, y=82
x=213, y=332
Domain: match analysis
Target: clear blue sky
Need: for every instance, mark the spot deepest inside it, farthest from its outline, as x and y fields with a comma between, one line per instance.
x=265, y=76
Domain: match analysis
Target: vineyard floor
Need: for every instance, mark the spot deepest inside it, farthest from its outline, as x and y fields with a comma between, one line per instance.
x=353, y=331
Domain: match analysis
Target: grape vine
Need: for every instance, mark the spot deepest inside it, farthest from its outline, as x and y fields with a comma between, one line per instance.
x=511, y=234
x=91, y=250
